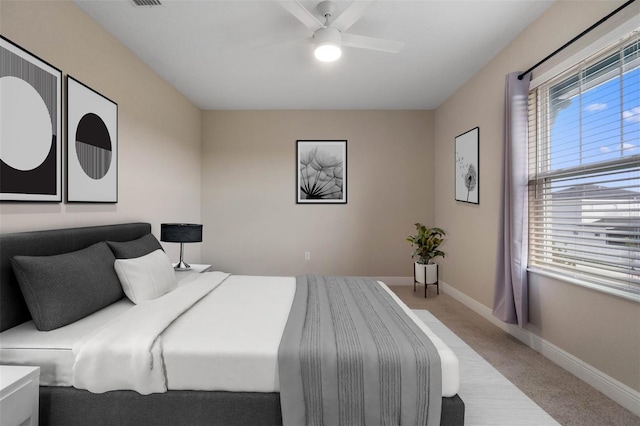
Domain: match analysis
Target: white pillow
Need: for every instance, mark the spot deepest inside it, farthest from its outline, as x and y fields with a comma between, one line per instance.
x=146, y=277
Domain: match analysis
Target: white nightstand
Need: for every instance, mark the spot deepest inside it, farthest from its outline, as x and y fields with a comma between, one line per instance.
x=195, y=269
x=19, y=395
x=198, y=268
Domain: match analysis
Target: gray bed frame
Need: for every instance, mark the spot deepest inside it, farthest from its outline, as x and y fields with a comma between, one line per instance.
x=70, y=406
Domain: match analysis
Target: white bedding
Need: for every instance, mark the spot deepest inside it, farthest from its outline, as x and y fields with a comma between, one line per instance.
x=52, y=350
x=220, y=344
x=128, y=352
x=237, y=343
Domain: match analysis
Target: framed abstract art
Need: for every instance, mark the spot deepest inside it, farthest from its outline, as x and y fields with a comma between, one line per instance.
x=30, y=126
x=92, y=145
x=468, y=167
x=321, y=171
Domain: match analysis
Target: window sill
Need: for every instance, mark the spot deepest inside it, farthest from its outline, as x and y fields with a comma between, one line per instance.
x=601, y=288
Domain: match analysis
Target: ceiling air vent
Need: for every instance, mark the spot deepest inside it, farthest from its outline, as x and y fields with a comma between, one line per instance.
x=147, y=2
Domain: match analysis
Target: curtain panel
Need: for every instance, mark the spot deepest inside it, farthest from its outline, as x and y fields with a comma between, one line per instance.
x=510, y=299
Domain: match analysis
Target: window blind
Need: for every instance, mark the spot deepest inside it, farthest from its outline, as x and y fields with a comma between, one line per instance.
x=584, y=170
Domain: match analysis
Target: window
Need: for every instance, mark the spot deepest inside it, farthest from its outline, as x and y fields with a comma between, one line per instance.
x=584, y=170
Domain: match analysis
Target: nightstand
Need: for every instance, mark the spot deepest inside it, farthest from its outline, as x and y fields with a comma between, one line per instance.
x=19, y=395
x=195, y=269
x=199, y=268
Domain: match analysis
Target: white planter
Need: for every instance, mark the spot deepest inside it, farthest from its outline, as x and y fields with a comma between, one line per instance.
x=426, y=274
x=421, y=272
x=432, y=273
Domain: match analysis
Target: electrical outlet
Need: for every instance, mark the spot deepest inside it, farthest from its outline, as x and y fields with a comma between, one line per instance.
x=307, y=255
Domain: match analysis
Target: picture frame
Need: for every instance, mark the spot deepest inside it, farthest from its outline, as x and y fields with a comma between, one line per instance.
x=92, y=145
x=30, y=126
x=321, y=168
x=467, y=167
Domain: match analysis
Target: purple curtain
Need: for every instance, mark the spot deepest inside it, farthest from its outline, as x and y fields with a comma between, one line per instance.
x=510, y=299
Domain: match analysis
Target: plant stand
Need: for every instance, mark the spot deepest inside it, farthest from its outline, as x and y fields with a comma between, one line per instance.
x=437, y=283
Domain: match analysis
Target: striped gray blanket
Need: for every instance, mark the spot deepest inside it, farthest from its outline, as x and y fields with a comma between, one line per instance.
x=351, y=356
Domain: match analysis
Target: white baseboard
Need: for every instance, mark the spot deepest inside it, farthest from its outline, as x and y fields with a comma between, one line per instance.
x=614, y=389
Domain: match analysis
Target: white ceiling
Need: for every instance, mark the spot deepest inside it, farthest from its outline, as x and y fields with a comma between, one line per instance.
x=252, y=55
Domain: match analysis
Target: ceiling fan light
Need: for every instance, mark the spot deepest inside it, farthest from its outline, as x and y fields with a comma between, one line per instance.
x=328, y=45
x=327, y=52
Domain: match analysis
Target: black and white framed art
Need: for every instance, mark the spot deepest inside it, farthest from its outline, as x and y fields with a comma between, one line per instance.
x=321, y=171
x=468, y=167
x=30, y=126
x=92, y=145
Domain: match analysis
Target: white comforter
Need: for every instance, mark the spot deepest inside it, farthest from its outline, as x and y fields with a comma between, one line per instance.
x=227, y=341
x=127, y=353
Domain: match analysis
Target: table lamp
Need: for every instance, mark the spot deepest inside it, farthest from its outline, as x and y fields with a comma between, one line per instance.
x=181, y=233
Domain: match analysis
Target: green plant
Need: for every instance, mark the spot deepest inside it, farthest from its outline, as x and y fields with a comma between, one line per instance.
x=426, y=243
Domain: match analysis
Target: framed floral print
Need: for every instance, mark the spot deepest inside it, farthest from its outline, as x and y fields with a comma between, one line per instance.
x=467, y=167
x=321, y=171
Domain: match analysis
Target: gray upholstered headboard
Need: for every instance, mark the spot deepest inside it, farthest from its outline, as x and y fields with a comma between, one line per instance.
x=13, y=310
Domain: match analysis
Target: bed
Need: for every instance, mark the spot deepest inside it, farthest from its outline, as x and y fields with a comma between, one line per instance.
x=63, y=404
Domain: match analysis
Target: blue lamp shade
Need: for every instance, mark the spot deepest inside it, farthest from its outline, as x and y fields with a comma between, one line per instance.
x=181, y=233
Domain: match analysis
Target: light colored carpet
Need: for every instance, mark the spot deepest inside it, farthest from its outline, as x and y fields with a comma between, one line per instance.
x=567, y=399
x=490, y=399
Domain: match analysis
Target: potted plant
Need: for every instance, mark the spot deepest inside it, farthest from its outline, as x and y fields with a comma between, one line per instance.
x=426, y=243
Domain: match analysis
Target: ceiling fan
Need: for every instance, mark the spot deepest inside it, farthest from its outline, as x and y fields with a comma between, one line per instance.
x=330, y=36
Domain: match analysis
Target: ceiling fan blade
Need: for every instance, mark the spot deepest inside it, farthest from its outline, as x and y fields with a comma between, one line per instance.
x=301, y=13
x=363, y=42
x=351, y=14
x=278, y=44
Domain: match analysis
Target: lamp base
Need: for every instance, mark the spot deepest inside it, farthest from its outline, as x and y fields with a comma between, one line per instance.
x=181, y=266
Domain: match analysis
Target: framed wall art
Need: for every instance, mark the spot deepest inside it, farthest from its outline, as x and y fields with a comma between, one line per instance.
x=92, y=145
x=321, y=171
x=468, y=167
x=30, y=126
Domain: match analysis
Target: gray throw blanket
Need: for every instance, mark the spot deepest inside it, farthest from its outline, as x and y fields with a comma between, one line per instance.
x=351, y=356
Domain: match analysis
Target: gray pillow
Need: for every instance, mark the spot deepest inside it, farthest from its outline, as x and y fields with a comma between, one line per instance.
x=64, y=288
x=135, y=248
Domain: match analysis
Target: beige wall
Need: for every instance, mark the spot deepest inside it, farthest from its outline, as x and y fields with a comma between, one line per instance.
x=253, y=224
x=159, y=129
x=600, y=329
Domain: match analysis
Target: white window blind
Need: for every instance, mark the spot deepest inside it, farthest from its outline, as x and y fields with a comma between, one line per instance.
x=584, y=170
